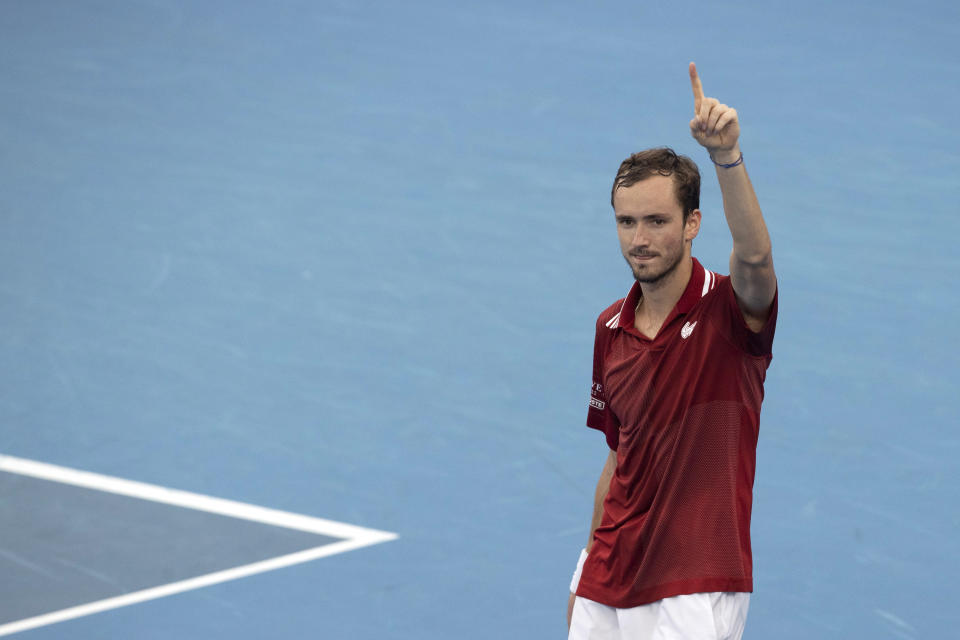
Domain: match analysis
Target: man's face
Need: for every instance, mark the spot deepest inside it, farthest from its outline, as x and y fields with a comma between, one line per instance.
x=653, y=236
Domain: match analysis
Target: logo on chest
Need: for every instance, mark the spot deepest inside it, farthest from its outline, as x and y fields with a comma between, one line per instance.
x=687, y=330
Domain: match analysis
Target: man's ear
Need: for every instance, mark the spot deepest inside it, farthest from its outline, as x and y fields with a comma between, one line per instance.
x=692, y=225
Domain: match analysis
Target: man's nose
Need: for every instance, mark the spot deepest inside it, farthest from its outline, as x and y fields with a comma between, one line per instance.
x=639, y=237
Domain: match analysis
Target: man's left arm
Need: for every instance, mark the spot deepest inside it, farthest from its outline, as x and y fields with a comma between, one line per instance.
x=717, y=127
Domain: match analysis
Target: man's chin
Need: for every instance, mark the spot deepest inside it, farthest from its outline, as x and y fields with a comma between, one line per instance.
x=646, y=275
x=647, y=278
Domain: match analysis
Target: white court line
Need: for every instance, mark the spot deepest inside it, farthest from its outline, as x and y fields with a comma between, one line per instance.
x=354, y=537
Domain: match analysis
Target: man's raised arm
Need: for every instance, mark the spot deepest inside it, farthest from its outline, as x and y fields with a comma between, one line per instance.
x=716, y=127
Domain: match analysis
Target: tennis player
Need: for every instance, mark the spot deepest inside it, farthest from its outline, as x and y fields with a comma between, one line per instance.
x=678, y=372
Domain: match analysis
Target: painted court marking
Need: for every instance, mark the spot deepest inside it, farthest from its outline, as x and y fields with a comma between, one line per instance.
x=353, y=537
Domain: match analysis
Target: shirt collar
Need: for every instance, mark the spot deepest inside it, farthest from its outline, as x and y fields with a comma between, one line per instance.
x=694, y=291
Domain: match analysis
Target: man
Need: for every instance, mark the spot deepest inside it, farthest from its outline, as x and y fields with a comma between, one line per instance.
x=679, y=366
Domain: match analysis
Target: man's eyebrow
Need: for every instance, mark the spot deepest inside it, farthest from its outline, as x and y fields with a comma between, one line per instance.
x=644, y=216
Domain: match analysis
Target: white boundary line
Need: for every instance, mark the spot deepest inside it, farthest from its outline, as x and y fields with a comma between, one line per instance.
x=354, y=537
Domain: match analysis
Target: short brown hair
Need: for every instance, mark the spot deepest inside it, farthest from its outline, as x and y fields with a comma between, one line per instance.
x=662, y=161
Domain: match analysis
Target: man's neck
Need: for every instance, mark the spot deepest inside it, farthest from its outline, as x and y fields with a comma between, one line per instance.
x=659, y=298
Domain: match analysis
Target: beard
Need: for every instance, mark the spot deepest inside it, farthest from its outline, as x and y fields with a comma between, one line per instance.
x=646, y=275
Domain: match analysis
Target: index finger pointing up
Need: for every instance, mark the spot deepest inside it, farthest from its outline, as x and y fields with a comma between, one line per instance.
x=697, y=88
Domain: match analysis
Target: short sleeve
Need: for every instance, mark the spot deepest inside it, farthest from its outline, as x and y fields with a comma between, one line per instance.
x=754, y=343
x=599, y=414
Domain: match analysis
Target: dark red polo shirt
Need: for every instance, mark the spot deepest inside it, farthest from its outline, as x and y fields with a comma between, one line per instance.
x=682, y=412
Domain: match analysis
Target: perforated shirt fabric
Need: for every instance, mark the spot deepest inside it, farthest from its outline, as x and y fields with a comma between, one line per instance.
x=682, y=412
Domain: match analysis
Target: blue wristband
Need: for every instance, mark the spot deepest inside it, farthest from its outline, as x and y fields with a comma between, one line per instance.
x=736, y=162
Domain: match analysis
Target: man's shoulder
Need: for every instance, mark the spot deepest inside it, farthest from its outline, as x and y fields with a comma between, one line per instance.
x=719, y=283
x=713, y=287
x=712, y=281
x=610, y=316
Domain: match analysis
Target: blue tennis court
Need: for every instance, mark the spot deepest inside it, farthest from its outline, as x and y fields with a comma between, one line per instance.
x=310, y=287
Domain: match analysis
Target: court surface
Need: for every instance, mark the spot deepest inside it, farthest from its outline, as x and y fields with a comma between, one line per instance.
x=339, y=263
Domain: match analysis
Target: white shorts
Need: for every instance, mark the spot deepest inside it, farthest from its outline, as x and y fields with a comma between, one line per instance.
x=699, y=616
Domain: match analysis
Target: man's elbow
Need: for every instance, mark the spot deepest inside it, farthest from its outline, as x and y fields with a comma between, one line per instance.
x=758, y=258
